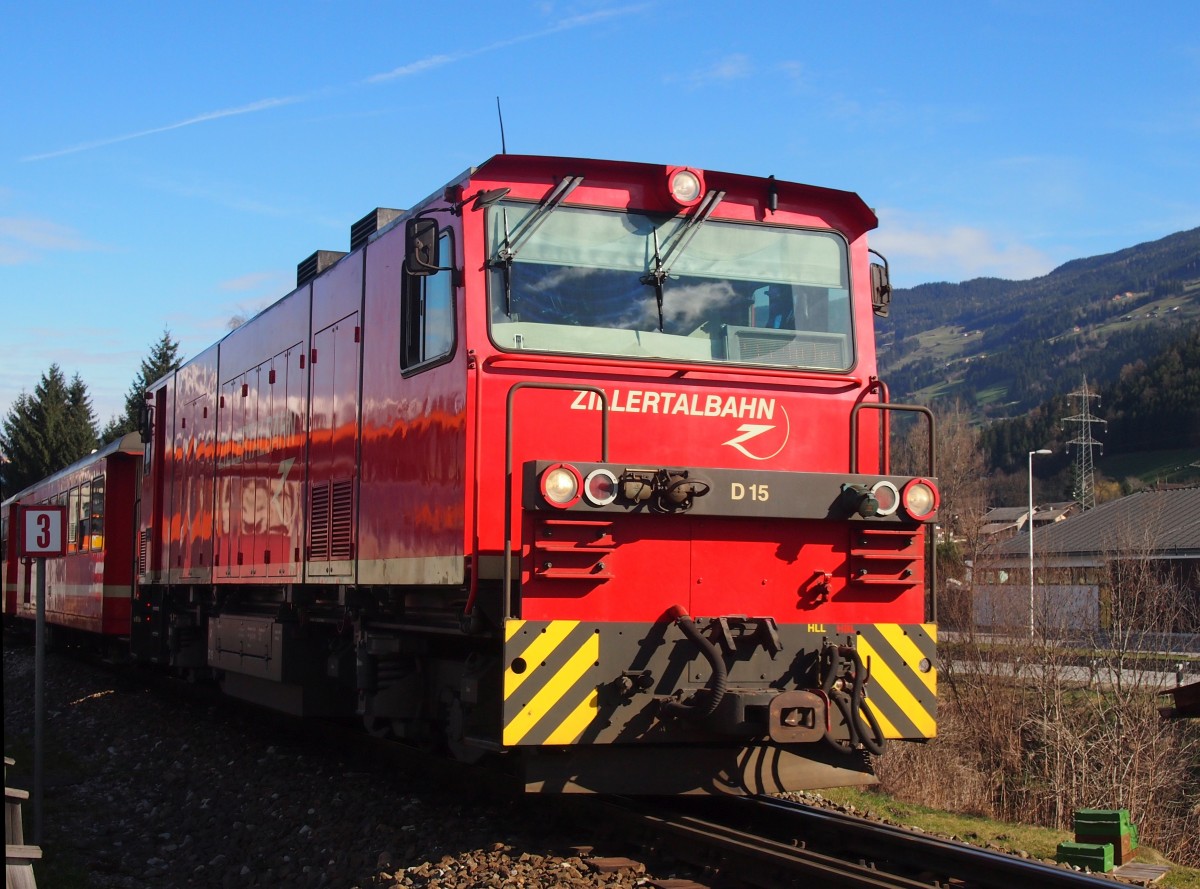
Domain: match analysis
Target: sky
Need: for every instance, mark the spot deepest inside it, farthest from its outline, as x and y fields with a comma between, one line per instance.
x=164, y=166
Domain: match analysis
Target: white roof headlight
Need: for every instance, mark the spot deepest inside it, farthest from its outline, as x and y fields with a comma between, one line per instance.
x=561, y=485
x=686, y=186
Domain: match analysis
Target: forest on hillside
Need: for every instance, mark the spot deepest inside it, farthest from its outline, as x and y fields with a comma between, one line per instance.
x=1153, y=404
x=1020, y=343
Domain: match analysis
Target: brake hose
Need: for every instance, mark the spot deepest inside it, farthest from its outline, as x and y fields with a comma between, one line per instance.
x=717, y=683
x=860, y=721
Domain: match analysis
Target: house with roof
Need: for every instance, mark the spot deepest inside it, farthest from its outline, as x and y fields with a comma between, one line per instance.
x=1002, y=522
x=1078, y=557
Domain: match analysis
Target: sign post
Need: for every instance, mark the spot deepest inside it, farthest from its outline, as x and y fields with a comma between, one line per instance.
x=42, y=534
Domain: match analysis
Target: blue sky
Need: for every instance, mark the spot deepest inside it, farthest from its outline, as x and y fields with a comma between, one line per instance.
x=166, y=165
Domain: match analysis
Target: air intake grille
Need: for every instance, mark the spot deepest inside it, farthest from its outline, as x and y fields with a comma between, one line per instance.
x=362, y=230
x=309, y=268
x=143, y=550
x=318, y=516
x=341, y=521
x=331, y=521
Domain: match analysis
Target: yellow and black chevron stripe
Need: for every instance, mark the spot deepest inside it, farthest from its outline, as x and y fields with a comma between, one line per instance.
x=901, y=695
x=551, y=679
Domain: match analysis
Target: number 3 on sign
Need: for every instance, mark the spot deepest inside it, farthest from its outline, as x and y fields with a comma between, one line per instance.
x=43, y=531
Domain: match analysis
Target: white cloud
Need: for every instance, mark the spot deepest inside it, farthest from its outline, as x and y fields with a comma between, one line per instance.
x=919, y=252
x=566, y=24
x=421, y=65
x=735, y=66
x=26, y=239
x=252, y=281
x=260, y=105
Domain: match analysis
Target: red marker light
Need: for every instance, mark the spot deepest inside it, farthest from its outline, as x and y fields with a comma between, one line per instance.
x=600, y=487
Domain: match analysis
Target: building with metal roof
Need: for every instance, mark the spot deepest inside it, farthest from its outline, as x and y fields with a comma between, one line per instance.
x=1074, y=560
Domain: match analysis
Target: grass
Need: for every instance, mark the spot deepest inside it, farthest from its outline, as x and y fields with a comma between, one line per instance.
x=1038, y=842
x=1153, y=466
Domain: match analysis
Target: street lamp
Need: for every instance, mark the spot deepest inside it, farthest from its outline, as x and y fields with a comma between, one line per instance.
x=1040, y=452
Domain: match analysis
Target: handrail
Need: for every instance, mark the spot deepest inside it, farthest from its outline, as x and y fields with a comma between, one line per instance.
x=508, y=456
x=931, y=551
x=880, y=406
x=624, y=365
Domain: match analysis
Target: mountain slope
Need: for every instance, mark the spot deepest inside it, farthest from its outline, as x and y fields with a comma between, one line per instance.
x=1006, y=346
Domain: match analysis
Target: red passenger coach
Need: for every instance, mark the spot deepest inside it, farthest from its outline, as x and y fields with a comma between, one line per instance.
x=88, y=587
x=580, y=462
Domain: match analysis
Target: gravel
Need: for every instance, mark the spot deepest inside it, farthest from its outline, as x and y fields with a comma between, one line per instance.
x=145, y=790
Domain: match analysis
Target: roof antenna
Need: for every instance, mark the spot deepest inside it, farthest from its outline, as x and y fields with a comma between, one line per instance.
x=500, y=114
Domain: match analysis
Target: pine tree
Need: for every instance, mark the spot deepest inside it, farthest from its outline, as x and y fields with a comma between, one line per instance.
x=46, y=431
x=163, y=358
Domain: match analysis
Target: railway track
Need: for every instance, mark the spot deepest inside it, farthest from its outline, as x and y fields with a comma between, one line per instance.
x=726, y=843
x=769, y=843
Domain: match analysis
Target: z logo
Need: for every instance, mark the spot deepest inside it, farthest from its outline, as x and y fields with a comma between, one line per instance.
x=750, y=431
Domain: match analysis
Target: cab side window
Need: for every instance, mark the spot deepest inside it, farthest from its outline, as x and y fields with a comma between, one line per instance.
x=428, y=313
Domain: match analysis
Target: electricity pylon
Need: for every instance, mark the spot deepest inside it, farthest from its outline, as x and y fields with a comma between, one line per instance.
x=1085, y=485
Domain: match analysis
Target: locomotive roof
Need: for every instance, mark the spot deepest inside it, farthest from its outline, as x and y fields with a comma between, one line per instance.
x=512, y=164
x=129, y=443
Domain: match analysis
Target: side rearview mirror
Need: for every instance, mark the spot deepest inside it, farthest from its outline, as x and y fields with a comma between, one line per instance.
x=881, y=287
x=144, y=427
x=421, y=247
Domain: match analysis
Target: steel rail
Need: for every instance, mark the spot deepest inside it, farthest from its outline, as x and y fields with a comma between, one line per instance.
x=949, y=859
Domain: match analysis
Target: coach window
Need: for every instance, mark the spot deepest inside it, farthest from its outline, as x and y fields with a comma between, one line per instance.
x=95, y=516
x=428, y=313
x=83, y=537
x=73, y=521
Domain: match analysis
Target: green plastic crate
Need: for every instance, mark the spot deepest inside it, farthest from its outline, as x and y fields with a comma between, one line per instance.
x=1102, y=822
x=1097, y=857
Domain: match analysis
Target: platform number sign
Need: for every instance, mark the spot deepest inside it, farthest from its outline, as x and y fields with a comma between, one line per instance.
x=43, y=531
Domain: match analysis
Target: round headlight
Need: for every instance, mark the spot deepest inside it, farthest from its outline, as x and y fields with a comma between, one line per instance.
x=560, y=485
x=686, y=186
x=920, y=498
x=600, y=487
x=887, y=496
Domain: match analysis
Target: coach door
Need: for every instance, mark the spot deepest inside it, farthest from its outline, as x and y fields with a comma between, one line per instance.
x=332, y=450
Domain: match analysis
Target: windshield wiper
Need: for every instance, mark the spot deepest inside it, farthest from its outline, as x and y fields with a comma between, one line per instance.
x=662, y=263
x=514, y=242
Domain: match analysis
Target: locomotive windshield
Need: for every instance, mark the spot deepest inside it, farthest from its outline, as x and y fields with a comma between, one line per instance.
x=739, y=292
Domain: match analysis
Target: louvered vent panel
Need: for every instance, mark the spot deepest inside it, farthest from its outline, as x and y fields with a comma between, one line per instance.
x=143, y=551
x=341, y=521
x=309, y=268
x=318, y=518
x=801, y=349
x=362, y=230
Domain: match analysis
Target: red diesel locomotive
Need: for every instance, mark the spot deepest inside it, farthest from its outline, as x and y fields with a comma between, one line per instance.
x=578, y=461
